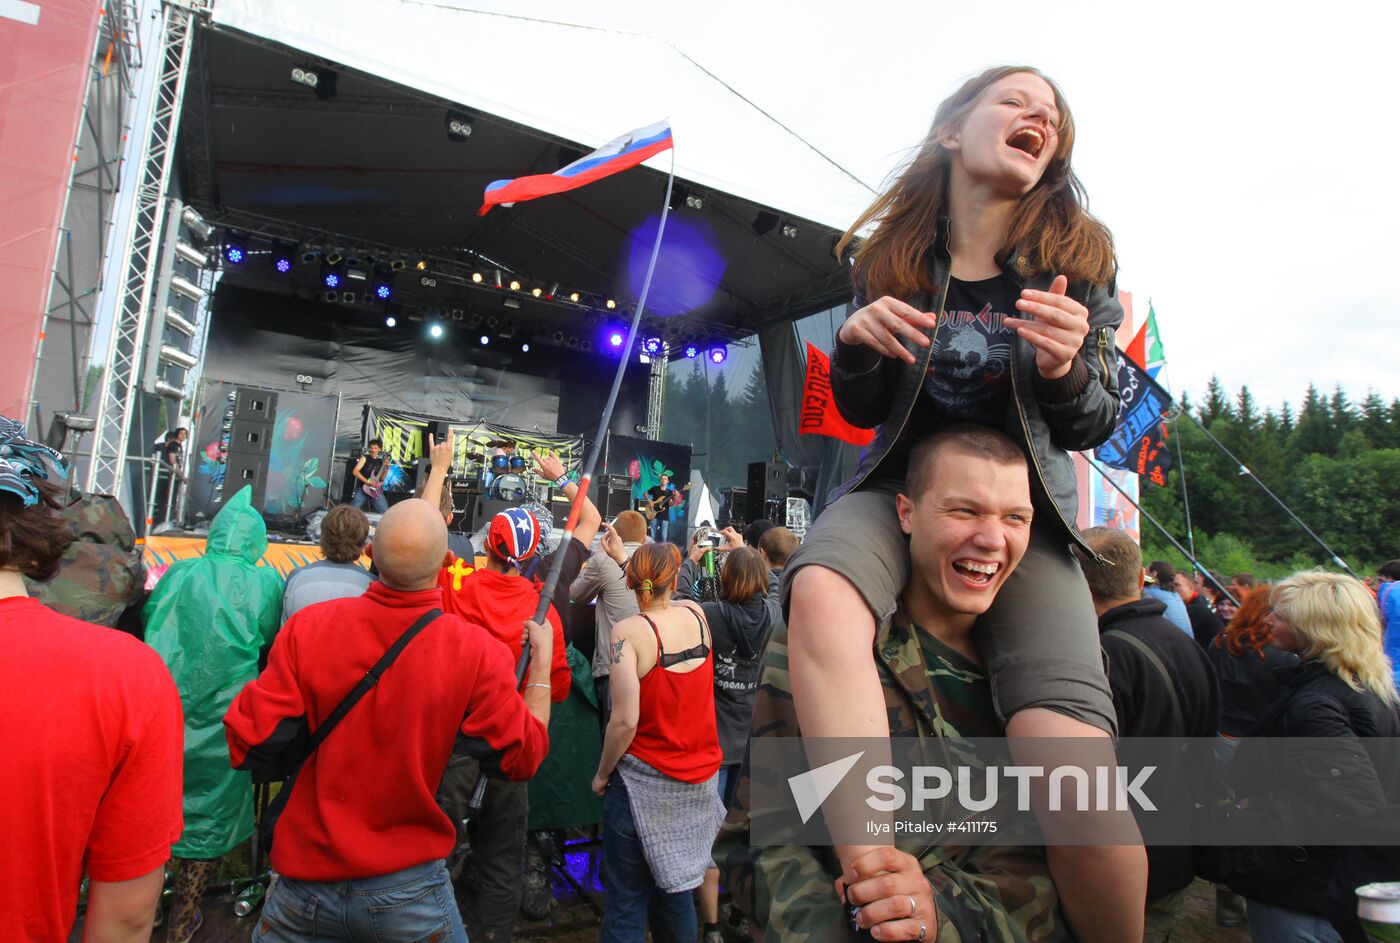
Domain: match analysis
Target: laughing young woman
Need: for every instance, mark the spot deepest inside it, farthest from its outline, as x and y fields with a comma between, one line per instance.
x=984, y=294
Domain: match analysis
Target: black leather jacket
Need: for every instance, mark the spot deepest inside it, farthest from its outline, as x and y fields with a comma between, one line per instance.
x=1048, y=419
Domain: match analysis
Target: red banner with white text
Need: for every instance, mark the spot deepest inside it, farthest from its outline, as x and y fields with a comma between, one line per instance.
x=819, y=413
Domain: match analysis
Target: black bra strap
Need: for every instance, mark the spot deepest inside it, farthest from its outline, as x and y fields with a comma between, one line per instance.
x=660, y=649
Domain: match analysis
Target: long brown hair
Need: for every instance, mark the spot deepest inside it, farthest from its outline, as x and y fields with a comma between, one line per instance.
x=1052, y=220
x=1248, y=631
x=744, y=576
x=652, y=570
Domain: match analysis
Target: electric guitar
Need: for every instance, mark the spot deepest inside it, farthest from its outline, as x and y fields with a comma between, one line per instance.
x=375, y=488
x=652, y=507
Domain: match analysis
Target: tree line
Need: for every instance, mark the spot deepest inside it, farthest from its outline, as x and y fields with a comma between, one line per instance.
x=726, y=426
x=1335, y=462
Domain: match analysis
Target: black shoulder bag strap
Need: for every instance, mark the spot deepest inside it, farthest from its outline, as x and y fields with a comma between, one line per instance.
x=371, y=678
x=1156, y=662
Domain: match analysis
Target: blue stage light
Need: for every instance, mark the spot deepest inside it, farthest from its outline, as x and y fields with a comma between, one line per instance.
x=719, y=353
x=234, y=254
x=235, y=246
x=691, y=351
x=615, y=339
x=332, y=279
x=283, y=256
x=283, y=265
x=652, y=346
x=382, y=291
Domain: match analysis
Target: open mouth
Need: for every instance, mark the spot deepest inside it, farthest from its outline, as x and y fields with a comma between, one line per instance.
x=1028, y=140
x=976, y=572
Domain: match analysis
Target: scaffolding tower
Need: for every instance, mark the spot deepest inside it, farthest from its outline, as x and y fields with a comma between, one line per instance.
x=121, y=373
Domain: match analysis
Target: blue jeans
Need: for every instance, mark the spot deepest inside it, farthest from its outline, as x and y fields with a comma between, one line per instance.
x=411, y=905
x=1270, y=924
x=634, y=901
x=361, y=500
x=660, y=527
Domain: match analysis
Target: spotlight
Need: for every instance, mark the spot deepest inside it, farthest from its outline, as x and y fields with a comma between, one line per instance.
x=476, y=278
x=435, y=330
x=652, y=346
x=235, y=246
x=383, y=284
x=321, y=81
x=514, y=285
x=331, y=277
x=391, y=321
x=422, y=265
x=335, y=254
x=718, y=353
x=525, y=348
x=537, y=291
x=573, y=296
x=695, y=202
x=691, y=351
x=398, y=264
x=497, y=276
x=789, y=230
x=553, y=290
x=283, y=254
x=611, y=304
x=764, y=222
x=459, y=126
x=309, y=254
x=196, y=224
x=616, y=338
x=485, y=339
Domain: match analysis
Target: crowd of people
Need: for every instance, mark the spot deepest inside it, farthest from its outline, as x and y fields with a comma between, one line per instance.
x=412, y=709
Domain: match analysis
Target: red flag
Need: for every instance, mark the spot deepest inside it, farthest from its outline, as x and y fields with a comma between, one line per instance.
x=1137, y=347
x=819, y=414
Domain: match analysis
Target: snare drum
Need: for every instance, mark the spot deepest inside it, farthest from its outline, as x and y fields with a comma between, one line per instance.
x=518, y=464
x=508, y=488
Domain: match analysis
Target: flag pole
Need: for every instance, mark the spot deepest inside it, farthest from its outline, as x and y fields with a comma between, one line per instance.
x=556, y=566
x=1157, y=524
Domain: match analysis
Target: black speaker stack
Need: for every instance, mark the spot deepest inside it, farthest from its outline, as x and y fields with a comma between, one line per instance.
x=617, y=495
x=767, y=494
x=250, y=419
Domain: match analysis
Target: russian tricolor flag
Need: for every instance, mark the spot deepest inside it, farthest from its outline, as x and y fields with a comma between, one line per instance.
x=613, y=157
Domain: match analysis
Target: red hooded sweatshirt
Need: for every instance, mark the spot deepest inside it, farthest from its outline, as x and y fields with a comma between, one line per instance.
x=502, y=602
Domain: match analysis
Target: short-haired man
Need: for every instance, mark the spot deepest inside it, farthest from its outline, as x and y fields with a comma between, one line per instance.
x=775, y=546
x=662, y=498
x=967, y=511
x=361, y=841
x=91, y=735
x=604, y=581
x=1163, y=686
x=1205, y=624
x=368, y=472
x=344, y=531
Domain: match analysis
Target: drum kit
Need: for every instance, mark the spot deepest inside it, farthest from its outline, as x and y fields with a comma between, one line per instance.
x=504, y=476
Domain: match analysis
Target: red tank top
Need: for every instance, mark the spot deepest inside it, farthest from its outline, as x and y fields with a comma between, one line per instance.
x=676, y=730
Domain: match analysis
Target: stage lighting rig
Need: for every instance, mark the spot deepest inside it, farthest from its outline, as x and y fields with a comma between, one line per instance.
x=332, y=276
x=335, y=255
x=459, y=126
x=235, y=246
x=789, y=230
x=537, y=291
x=320, y=81
x=683, y=196
x=525, y=347
x=496, y=276
x=574, y=296
x=383, y=284
x=200, y=229
x=616, y=337
x=485, y=340
x=514, y=285
x=477, y=278
x=718, y=354
x=610, y=304
x=283, y=256
x=691, y=351
x=652, y=346
x=435, y=331
x=391, y=321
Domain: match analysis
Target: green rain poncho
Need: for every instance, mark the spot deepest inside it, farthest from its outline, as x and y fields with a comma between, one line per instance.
x=208, y=618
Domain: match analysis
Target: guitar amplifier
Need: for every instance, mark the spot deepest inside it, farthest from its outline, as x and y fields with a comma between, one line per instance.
x=616, y=496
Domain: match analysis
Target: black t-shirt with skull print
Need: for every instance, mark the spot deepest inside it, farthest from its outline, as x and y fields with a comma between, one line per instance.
x=969, y=377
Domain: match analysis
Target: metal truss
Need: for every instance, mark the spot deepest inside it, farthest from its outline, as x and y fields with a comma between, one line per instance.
x=656, y=394
x=122, y=368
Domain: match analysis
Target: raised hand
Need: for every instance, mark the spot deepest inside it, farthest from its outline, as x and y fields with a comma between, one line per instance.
x=1056, y=326
x=880, y=324
x=548, y=467
x=440, y=453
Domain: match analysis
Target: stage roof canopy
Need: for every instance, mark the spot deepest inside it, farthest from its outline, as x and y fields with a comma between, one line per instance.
x=374, y=162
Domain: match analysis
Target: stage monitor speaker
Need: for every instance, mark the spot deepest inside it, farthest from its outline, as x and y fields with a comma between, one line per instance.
x=245, y=469
x=486, y=508
x=767, y=497
x=254, y=405
x=250, y=437
x=733, y=505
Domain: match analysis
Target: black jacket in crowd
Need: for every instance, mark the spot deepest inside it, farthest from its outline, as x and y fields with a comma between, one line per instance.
x=1343, y=771
x=740, y=632
x=1143, y=703
x=1205, y=624
x=1248, y=684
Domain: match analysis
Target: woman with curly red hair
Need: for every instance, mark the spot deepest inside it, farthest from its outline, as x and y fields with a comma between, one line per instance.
x=1247, y=662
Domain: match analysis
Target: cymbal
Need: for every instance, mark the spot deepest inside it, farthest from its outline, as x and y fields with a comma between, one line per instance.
x=498, y=444
x=474, y=456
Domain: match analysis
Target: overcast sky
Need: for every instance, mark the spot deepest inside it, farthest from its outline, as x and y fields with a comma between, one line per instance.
x=1243, y=154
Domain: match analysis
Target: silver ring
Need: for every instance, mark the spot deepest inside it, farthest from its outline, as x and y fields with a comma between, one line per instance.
x=913, y=906
x=922, y=930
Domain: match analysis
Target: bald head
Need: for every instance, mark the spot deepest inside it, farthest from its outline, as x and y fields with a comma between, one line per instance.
x=410, y=545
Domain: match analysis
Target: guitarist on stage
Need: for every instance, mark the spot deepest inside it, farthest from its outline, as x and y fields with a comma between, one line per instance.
x=662, y=498
x=369, y=474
